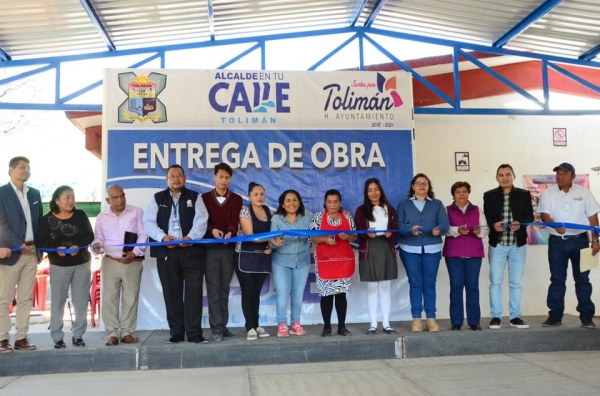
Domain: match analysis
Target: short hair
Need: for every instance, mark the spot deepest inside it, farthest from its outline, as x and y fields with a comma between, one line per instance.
x=282, y=211
x=56, y=195
x=175, y=166
x=411, y=190
x=112, y=186
x=252, y=185
x=15, y=161
x=505, y=166
x=331, y=192
x=225, y=167
x=458, y=185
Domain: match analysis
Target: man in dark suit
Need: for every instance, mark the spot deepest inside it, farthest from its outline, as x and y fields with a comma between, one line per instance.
x=505, y=208
x=20, y=215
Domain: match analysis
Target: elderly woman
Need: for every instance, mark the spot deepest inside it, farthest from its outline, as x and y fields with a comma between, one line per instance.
x=66, y=227
x=422, y=220
x=253, y=261
x=335, y=262
x=290, y=261
x=377, y=263
x=463, y=251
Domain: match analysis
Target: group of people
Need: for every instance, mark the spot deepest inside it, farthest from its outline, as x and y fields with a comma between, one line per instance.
x=177, y=215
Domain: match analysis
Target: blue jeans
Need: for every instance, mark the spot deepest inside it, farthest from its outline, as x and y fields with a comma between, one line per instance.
x=499, y=256
x=289, y=282
x=559, y=253
x=422, y=272
x=464, y=275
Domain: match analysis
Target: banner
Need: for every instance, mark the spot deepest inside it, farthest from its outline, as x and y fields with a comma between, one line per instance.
x=308, y=131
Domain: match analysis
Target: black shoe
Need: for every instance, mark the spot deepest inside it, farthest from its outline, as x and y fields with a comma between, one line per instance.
x=229, y=334
x=344, y=331
x=389, y=330
x=495, y=323
x=372, y=331
x=475, y=327
x=552, y=322
x=456, y=327
x=326, y=333
x=216, y=337
x=174, y=340
x=518, y=323
x=78, y=342
x=60, y=344
x=588, y=324
x=198, y=340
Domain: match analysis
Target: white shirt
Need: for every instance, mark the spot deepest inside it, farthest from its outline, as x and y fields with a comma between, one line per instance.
x=381, y=219
x=22, y=195
x=574, y=206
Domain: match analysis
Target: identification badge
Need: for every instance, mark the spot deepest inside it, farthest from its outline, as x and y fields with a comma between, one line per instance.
x=176, y=225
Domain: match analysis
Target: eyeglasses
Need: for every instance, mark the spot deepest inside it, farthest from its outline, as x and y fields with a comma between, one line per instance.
x=419, y=184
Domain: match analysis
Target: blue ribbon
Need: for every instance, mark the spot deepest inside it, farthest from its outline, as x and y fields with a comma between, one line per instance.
x=244, y=238
x=304, y=234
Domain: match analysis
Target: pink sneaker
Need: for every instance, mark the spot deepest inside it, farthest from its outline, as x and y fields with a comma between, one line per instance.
x=296, y=329
x=282, y=331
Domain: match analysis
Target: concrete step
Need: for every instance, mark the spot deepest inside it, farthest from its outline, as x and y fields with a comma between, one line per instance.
x=151, y=353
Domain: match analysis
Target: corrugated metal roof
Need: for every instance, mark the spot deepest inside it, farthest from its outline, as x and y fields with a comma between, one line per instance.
x=35, y=28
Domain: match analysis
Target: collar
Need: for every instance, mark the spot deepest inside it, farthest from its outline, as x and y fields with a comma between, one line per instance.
x=25, y=189
x=414, y=197
x=512, y=188
x=217, y=194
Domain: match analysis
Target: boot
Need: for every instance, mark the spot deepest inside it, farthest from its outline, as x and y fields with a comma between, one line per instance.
x=432, y=326
x=417, y=326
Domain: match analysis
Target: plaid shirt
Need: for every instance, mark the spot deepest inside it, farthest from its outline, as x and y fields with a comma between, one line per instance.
x=507, y=237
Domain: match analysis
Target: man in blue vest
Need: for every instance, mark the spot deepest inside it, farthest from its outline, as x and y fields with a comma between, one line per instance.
x=179, y=214
x=20, y=216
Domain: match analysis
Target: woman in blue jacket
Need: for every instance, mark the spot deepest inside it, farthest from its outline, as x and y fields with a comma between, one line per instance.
x=422, y=220
x=290, y=261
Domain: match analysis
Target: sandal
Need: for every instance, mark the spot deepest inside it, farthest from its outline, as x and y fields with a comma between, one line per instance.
x=389, y=330
x=372, y=330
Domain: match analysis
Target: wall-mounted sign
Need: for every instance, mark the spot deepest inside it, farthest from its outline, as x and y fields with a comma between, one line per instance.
x=559, y=136
x=461, y=161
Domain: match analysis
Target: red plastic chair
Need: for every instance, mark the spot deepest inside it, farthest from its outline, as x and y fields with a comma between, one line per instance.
x=95, y=296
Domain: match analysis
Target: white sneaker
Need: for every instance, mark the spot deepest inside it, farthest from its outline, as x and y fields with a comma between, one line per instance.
x=252, y=335
x=262, y=333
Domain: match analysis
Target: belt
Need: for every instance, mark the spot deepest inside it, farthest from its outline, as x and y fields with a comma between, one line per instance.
x=569, y=236
x=120, y=258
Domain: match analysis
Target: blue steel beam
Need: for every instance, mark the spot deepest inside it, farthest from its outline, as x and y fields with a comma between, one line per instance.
x=358, y=9
x=574, y=77
x=590, y=54
x=545, y=85
x=211, y=20
x=99, y=82
x=240, y=56
x=416, y=75
x=91, y=11
x=529, y=20
x=54, y=62
x=295, y=35
x=332, y=53
x=456, y=72
x=4, y=56
x=376, y=9
x=500, y=77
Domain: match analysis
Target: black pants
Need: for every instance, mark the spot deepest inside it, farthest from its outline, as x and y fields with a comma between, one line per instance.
x=181, y=274
x=219, y=271
x=251, y=285
x=341, y=306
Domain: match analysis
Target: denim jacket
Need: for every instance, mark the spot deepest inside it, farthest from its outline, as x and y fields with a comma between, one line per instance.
x=295, y=251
